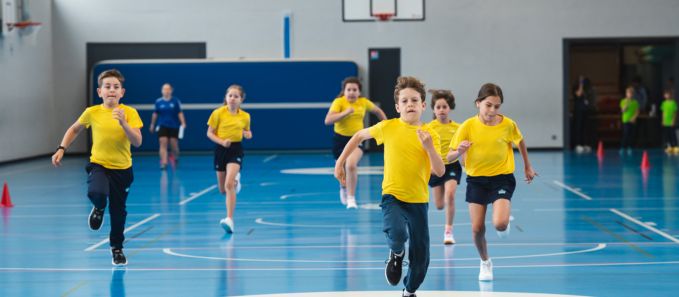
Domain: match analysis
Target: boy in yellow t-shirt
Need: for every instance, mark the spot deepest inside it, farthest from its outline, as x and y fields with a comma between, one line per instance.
x=114, y=127
x=346, y=114
x=444, y=187
x=410, y=156
x=227, y=126
x=486, y=142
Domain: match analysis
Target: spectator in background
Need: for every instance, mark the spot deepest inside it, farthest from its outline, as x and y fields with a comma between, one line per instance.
x=583, y=98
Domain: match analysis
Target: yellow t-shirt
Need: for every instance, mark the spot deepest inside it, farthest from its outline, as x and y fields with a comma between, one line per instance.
x=349, y=125
x=406, y=163
x=446, y=132
x=229, y=126
x=491, y=151
x=110, y=145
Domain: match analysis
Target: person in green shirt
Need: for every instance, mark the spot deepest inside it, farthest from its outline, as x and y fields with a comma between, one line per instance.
x=669, y=118
x=630, y=111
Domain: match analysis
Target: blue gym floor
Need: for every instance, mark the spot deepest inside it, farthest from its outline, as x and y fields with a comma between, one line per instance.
x=583, y=227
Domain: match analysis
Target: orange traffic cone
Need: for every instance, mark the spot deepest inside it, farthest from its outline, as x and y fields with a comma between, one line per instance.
x=6, y=200
x=644, y=161
x=600, y=149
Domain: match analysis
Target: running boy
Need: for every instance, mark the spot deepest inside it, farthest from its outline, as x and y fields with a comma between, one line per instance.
x=346, y=113
x=227, y=126
x=114, y=127
x=410, y=156
x=487, y=139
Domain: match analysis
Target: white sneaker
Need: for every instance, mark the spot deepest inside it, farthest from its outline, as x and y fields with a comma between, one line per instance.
x=504, y=234
x=343, y=195
x=448, y=238
x=486, y=271
x=238, y=183
x=227, y=224
x=351, y=203
x=579, y=149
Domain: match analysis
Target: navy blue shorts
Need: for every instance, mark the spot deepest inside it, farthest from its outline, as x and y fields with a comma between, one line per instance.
x=453, y=171
x=168, y=132
x=225, y=155
x=338, y=144
x=487, y=189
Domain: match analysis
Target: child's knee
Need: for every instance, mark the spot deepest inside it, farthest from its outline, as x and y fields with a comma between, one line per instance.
x=501, y=226
x=230, y=185
x=352, y=167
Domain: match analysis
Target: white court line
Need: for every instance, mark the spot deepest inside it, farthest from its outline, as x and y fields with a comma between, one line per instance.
x=286, y=196
x=269, y=158
x=277, y=105
x=381, y=267
x=642, y=224
x=196, y=195
x=130, y=228
x=170, y=252
x=574, y=191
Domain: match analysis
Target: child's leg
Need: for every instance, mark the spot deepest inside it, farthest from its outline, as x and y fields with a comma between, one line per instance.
x=418, y=249
x=352, y=171
x=450, y=188
x=394, y=223
x=477, y=212
x=232, y=170
x=120, y=181
x=97, y=185
x=174, y=145
x=221, y=181
x=437, y=191
x=501, y=212
x=673, y=136
x=162, y=151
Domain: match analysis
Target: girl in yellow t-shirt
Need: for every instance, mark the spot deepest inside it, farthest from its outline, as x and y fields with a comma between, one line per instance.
x=227, y=127
x=486, y=142
x=347, y=113
x=442, y=102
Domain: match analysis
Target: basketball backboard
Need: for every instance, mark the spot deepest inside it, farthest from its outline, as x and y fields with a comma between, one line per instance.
x=368, y=10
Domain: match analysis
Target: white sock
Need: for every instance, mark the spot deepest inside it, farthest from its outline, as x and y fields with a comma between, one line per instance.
x=401, y=253
x=349, y=197
x=406, y=293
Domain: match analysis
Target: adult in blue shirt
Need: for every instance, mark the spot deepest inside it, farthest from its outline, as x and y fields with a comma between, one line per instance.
x=168, y=113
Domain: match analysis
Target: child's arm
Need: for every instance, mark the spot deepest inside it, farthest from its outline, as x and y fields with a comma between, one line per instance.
x=353, y=143
x=247, y=133
x=182, y=119
x=152, y=127
x=379, y=113
x=437, y=166
x=636, y=114
x=70, y=135
x=133, y=134
x=213, y=136
x=334, y=116
x=453, y=154
x=528, y=168
x=625, y=104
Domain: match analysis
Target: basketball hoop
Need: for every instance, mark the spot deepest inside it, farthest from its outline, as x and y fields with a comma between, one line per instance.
x=383, y=17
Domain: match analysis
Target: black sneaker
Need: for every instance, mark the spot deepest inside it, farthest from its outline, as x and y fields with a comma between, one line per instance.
x=411, y=295
x=96, y=218
x=118, y=257
x=394, y=268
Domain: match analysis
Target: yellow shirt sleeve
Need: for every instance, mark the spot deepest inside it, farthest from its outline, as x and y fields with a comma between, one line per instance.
x=435, y=138
x=85, y=118
x=213, y=121
x=132, y=118
x=459, y=136
x=247, y=123
x=336, y=105
x=377, y=132
x=515, y=135
x=369, y=105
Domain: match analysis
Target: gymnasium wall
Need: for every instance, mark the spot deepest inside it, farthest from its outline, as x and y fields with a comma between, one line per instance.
x=460, y=45
x=27, y=106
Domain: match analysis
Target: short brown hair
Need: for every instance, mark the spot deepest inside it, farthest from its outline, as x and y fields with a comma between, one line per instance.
x=350, y=80
x=404, y=82
x=111, y=73
x=490, y=89
x=442, y=94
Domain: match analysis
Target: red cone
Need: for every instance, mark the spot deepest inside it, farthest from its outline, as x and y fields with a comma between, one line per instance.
x=644, y=161
x=6, y=200
x=600, y=149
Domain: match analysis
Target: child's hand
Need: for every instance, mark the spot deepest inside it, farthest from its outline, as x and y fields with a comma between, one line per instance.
x=349, y=111
x=247, y=134
x=119, y=115
x=226, y=143
x=151, y=129
x=425, y=139
x=340, y=175
x=56, y=158
x=530, y=174
x=463, y=147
